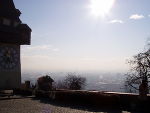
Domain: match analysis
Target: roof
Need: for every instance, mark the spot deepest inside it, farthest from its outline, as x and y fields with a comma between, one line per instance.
x=8, y=10
x=15, y=32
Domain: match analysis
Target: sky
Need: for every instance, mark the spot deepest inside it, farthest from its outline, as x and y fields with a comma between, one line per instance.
x=83, y=35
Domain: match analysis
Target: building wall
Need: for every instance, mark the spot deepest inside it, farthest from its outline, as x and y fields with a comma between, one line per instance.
x=10, y=67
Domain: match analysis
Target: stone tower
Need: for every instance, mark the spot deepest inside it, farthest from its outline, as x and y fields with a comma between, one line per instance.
x=13, y=34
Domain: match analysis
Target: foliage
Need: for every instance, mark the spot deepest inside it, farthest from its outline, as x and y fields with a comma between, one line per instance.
x=60, y=84
x=74, y=82
x=71, y=82
x=45, y=83
x=140, y=71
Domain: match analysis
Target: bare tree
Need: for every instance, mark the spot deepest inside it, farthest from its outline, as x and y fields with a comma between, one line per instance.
x=60, y=84
x=74, y=82
x=138, y=77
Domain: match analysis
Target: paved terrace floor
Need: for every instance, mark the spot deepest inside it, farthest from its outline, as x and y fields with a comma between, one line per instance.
x=18, y=104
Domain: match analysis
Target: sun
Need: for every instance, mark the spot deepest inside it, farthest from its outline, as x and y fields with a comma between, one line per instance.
x=101, y=7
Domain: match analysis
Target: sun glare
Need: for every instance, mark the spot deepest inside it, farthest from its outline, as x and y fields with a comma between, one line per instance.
x=101, y=7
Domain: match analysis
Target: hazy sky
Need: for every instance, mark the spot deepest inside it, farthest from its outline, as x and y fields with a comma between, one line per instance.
x=84, y=35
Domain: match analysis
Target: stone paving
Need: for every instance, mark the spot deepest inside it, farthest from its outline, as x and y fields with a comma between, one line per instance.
x=32, y=105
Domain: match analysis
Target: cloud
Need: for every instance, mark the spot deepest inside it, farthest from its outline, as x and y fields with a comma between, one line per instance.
x=55, y=49
x=88, y=59
x=148, y=15
x=38, y=62
x=39, y=49
x=136, y=17
x=116, y=21
x=42, y=62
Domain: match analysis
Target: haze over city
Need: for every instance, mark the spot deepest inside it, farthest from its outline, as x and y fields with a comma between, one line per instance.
x=78, y=35
x=74, y=56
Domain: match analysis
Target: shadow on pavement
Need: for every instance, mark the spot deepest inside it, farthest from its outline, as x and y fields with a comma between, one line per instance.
x=89, y=108
x=14, y=97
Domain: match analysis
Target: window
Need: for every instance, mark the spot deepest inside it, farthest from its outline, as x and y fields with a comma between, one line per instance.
x=6, y=21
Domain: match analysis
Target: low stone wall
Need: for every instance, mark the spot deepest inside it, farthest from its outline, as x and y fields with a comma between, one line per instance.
x=98, y=99
x=23, y=92
x=106, y=100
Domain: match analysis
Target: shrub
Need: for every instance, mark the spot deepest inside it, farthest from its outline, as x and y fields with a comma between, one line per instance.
x=45, y=83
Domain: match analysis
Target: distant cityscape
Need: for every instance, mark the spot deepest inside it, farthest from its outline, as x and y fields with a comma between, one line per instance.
x=94, y=81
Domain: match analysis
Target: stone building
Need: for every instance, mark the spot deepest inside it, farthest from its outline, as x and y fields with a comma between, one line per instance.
x=13, y=34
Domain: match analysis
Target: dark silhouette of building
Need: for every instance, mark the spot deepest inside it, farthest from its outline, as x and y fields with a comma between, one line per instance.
x=13, y=33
